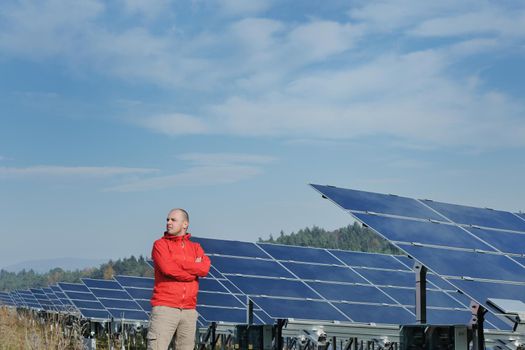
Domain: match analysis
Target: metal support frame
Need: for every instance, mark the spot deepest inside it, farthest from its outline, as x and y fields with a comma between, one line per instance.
x=421, y=293
x=476, y=323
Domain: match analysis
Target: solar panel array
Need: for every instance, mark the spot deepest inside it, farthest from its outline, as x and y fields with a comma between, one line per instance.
x=479, y=251
x=289, y=282
x=331, y=285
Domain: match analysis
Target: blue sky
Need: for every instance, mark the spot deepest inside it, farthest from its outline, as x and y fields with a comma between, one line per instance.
x=113, y=112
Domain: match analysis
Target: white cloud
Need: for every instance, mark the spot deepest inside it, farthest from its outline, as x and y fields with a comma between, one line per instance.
x=487, y=21
x=43, y=170
x=313, y=78
x=206, y=169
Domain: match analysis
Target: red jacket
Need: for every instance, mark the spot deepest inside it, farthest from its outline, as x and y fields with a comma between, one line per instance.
x=176, y=272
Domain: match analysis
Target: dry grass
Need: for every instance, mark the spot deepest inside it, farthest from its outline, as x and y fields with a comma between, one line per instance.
x=28, y=331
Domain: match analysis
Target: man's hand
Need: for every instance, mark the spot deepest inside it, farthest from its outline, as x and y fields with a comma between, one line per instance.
x=199, y=259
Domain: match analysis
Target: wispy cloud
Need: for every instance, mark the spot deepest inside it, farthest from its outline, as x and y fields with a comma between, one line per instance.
x=54, y=171
x=205, y=169
x=310, y=78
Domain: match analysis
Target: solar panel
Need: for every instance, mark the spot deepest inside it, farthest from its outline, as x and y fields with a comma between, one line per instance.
x=42, y=299
x=377, y=203
x=29, y=299
x=447, y=262
x=465, y=215
x=324, y=273
x=351, y=292
x=361, y=259
x=470, y=247
x=423, y=232
x=299, y=309
x=257, y=286
x=244, y=266
x=503, y=241
x=233, y=248
x=299, y=254
x=115, y=299
x=86, y=303
x=387, y=314
x=6, y=299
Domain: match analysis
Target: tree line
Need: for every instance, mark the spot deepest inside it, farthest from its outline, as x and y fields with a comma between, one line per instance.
x=30, y=279
x=352, y=237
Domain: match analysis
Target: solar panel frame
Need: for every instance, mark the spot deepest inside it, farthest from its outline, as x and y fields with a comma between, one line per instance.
x=116, y=300
x=469, y=222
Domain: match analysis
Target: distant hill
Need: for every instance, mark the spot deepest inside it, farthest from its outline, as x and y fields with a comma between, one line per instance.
x=44, y=265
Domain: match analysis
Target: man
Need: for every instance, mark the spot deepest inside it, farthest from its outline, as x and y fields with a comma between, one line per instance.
x=178, y=265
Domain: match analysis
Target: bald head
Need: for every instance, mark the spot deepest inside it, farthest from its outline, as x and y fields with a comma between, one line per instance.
x=177, y=222
x=183, y=212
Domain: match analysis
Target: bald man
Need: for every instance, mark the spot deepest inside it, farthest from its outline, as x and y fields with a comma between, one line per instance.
x=179, y=263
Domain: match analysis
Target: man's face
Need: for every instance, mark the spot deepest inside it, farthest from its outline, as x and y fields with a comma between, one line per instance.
x=176, y=223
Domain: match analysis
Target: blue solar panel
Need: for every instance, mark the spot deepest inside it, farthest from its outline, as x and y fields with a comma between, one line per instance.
x=95, y=314
x=387, y=314
x=468, y=264
x=249, y=267
x=477, y=216
x=299, y=309
x=119, y=304
x=273, y=287
x=467, y=242
x=377, y=203
x=219, y=299
x=139, y=289
x=438, y=316
x=211, y=285
x=98, y=283
x=407, y=297
x=145, y=305
x=381, y=261
x=507, y=242
x=75, y=287
x=324, y=273
x=482, y=291
x=217, y=314
x=29, y=299
x=140, y=293
x=302, y=254
x=42, y=299
x=410, y=231
x=86, y=304
x=436, y=281
x=137, y=282
x=80, y=295
x=233, y=248
x=388, y=277
x=6, y=299
x=350, y=292
x=115, y=299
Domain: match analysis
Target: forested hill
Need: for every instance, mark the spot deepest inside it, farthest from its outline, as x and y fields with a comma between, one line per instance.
x=352, y=237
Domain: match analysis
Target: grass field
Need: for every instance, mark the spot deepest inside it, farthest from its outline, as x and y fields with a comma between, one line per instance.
x=29, y=331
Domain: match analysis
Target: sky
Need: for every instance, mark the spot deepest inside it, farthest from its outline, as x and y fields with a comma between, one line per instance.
x=114, y=112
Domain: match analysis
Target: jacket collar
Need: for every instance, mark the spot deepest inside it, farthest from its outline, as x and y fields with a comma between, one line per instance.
x=186, y=237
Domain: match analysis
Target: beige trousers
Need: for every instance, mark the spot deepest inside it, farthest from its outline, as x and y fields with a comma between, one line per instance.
x=166, y=321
